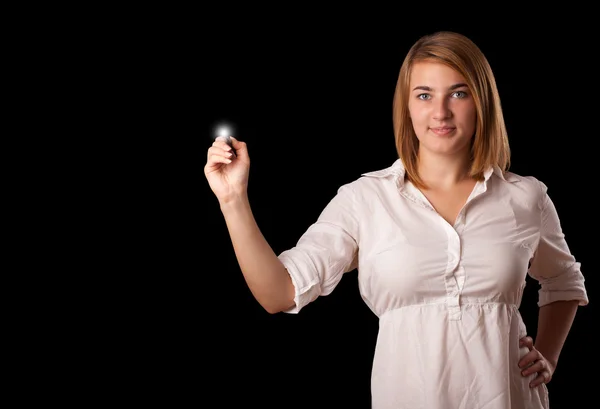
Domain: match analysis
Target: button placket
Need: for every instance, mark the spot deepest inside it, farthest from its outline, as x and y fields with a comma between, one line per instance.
x=453, y=285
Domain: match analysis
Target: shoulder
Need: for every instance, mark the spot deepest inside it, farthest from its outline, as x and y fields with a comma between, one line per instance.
x=527, y=187
x=375, y=182
x=364, y=187
x=393, y=174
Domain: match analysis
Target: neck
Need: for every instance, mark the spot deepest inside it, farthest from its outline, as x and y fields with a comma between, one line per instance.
x=443, y=171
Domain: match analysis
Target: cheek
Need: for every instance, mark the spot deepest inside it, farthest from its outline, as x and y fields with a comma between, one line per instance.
x=467, y=114
x=417, y=117
x=471, y=120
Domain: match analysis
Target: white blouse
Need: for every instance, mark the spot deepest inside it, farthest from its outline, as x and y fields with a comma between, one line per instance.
x=447, y=297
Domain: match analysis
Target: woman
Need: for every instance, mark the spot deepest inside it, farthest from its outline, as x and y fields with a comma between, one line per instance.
x=446, y=236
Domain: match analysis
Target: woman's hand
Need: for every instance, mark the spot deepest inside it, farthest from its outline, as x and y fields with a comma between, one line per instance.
x=534, y=362
x=226, y=172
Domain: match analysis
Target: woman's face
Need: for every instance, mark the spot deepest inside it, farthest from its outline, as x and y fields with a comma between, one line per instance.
x=442, y=109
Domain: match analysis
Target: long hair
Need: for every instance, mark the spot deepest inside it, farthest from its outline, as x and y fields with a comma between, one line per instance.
x=489, y=145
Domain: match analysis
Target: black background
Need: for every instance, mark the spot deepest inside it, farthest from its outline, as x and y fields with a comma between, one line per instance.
x=138, y=298
x=312, y=98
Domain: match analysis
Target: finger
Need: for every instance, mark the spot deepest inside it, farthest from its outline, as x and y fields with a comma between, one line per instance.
x=214, y=159
x=238, y=145
x=214, y=162
x=219, y=152
x=538, y=366
x=526, y=341
x=229, y=143
x=222, y=143
x=543, y=377
x=528, y=359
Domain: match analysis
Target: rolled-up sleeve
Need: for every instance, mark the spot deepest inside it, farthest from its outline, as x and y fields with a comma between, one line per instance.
x=326, y=251
x=553, y=265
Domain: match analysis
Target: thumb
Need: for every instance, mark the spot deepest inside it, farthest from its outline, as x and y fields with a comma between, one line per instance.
x=237, y=145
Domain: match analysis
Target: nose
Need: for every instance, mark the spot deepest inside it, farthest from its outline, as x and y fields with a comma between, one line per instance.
x=442, y=110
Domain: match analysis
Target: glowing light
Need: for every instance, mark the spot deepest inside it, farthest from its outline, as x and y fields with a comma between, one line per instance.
x=223, y=131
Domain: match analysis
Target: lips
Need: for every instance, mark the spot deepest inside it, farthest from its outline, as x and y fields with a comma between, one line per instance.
x=445, y=130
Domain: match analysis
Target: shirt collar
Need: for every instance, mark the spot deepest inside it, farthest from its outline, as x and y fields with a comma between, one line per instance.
x=397, y=171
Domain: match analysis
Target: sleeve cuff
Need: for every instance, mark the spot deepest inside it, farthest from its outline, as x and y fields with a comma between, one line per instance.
x=547, y=297
x=305, y=291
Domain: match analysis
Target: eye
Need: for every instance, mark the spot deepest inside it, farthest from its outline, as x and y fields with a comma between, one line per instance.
x=459, y=94
x=423, y=97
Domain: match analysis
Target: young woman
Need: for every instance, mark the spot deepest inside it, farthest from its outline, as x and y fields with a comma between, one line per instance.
x=446, y=236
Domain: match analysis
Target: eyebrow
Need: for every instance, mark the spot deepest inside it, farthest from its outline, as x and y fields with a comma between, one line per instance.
x=451, y=88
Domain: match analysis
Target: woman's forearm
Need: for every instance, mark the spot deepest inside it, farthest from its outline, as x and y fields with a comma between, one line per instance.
x=554, y=323
x=265, y=275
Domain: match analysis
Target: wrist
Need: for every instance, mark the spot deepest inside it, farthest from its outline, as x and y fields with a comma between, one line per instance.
x=547, y=356
x=234, y=202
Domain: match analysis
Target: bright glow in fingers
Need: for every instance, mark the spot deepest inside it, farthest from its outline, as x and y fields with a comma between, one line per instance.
x=223, y=131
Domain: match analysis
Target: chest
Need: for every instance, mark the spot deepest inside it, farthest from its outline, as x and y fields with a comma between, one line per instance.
x=411, y=251
x=449, y=203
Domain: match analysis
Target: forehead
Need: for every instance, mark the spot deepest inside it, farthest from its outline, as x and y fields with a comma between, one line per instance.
x=432, y=74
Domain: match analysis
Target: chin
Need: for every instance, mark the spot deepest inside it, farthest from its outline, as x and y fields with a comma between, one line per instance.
x=445, y=149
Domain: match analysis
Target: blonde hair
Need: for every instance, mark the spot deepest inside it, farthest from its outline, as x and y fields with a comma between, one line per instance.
x=490, y=143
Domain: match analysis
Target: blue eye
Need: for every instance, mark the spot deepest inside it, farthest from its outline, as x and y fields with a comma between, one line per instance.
x=456, y=94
